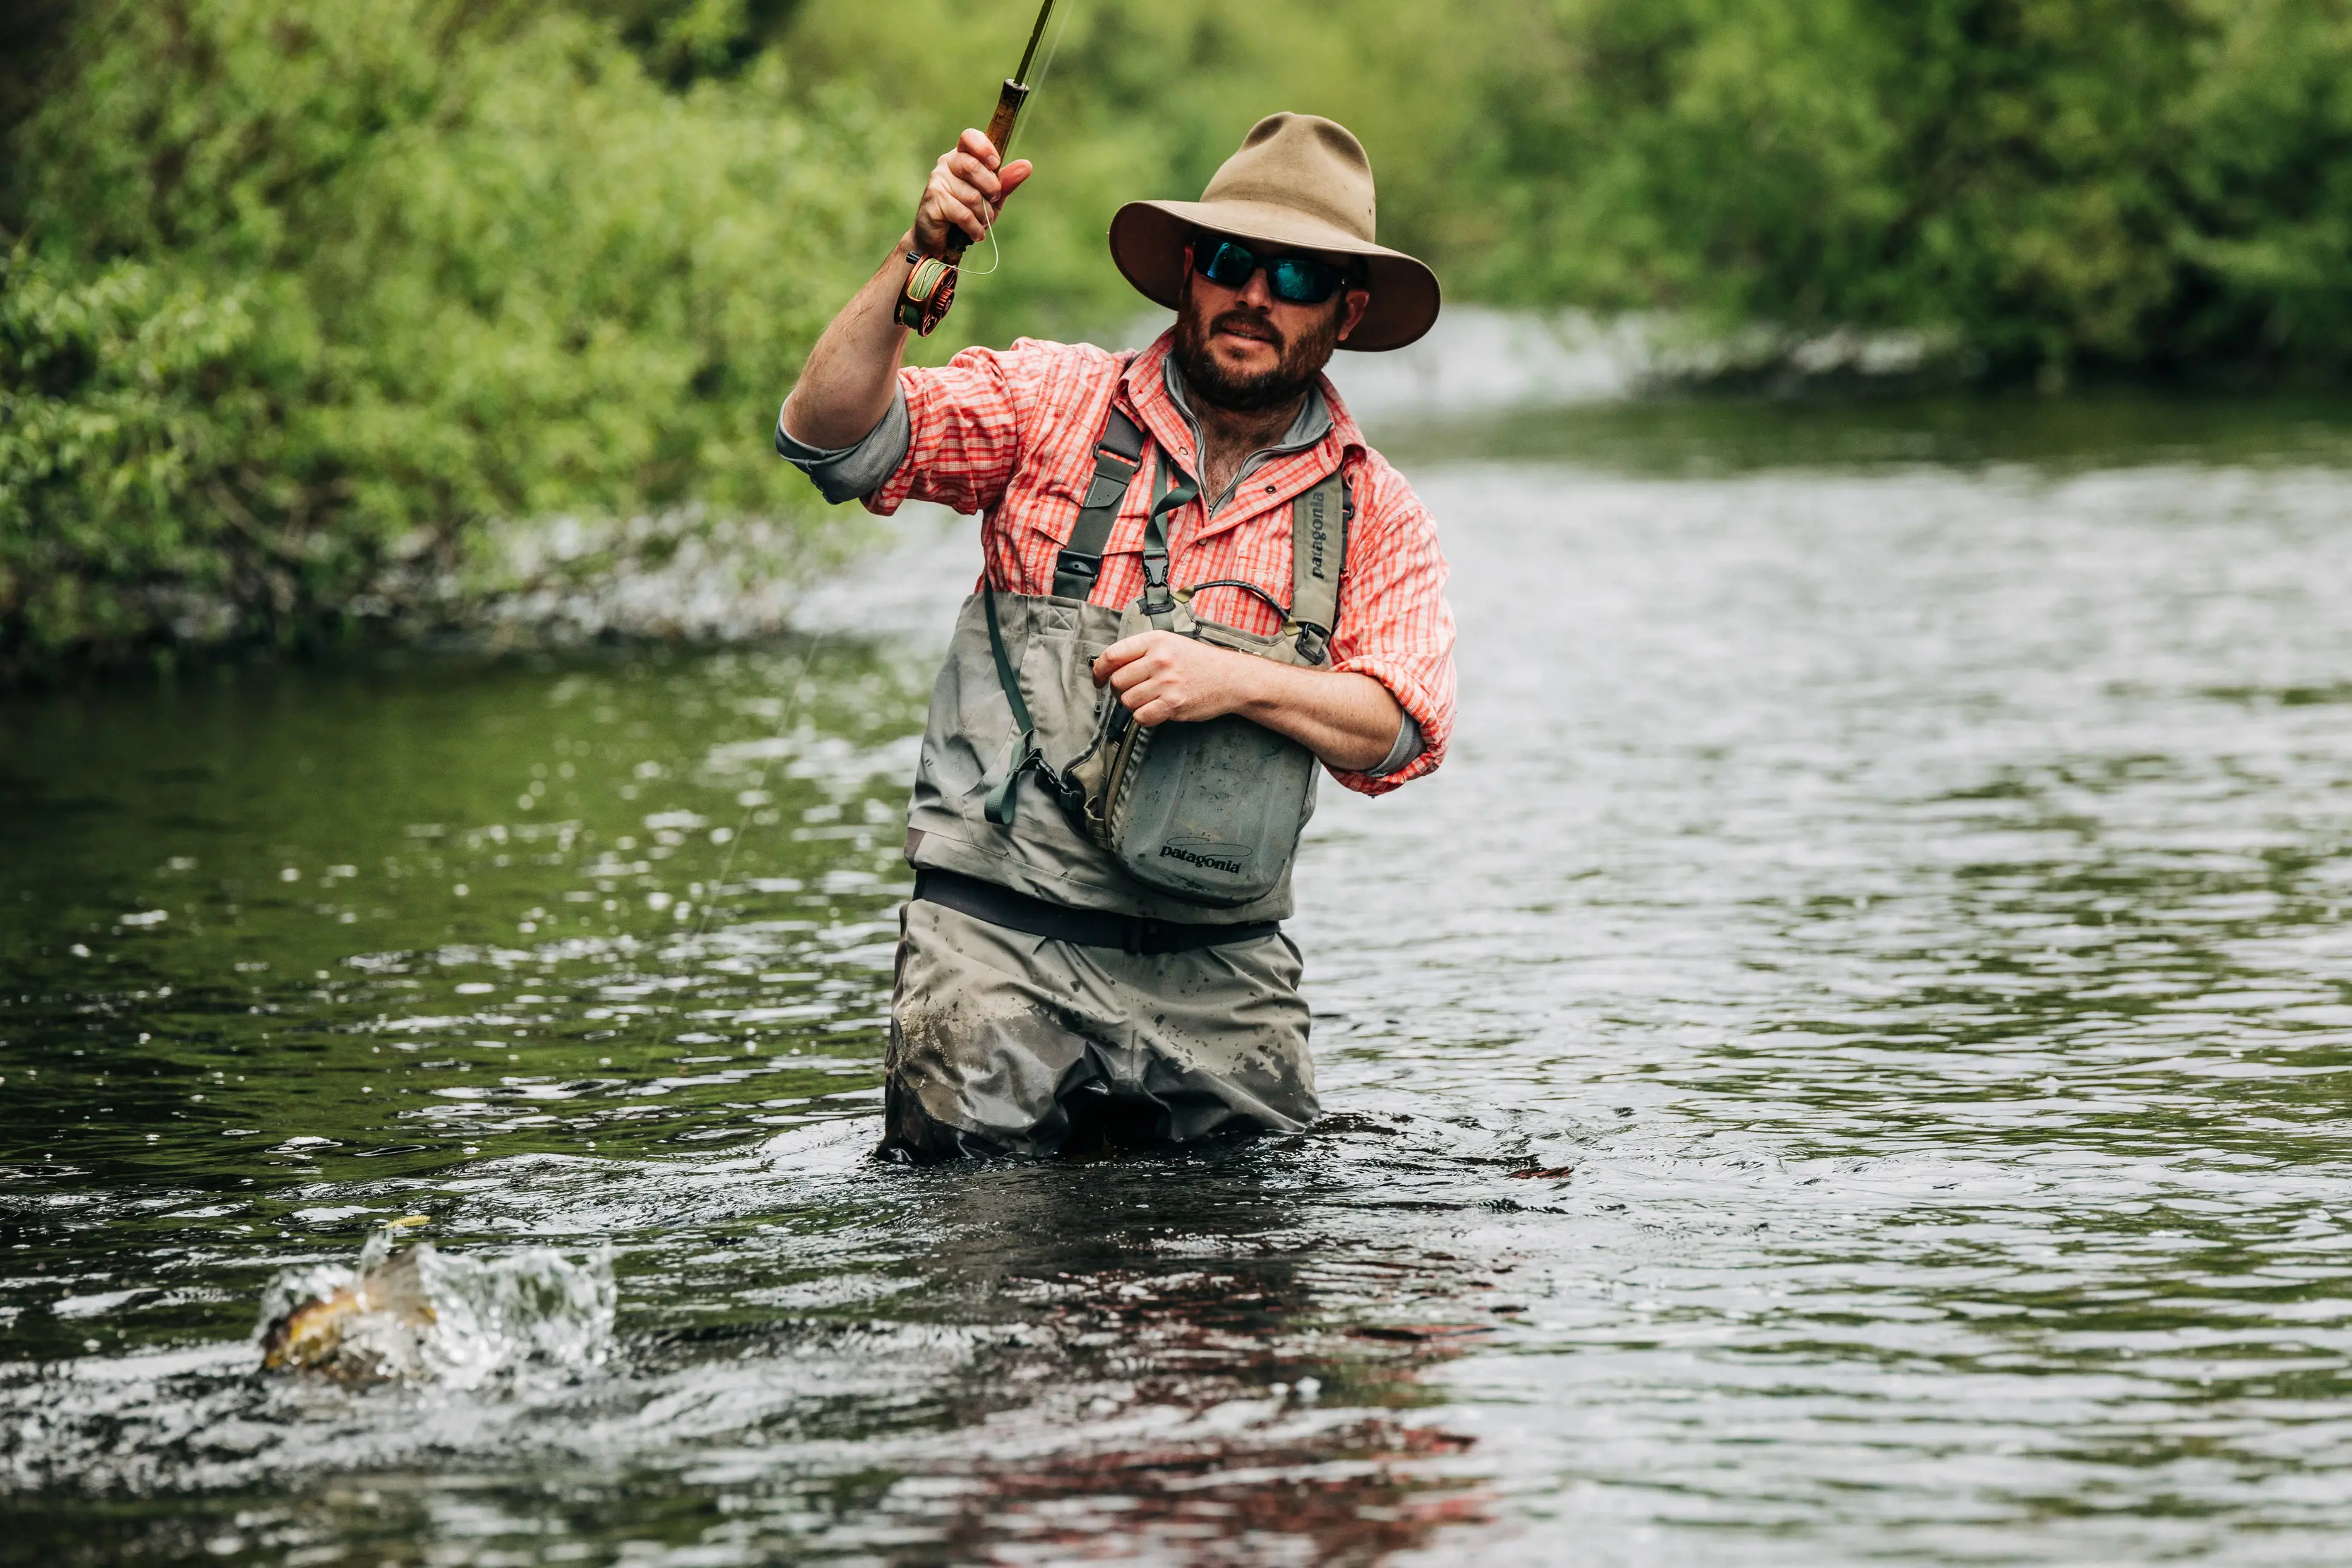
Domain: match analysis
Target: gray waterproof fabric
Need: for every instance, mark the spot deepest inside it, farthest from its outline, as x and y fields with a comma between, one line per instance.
x=970, y=740
x=1002, y=1043
x=1006, y=1042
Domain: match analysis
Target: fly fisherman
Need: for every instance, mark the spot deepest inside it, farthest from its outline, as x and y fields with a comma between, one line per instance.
x=1198, y=580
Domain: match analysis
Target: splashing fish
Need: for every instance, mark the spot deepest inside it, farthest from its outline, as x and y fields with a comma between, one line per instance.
x=355, y=1326
x=412, y=1313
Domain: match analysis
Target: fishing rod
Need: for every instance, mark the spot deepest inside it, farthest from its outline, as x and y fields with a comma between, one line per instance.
x=929, y=288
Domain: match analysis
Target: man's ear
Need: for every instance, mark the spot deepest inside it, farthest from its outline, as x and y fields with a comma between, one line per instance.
x=1351, y=311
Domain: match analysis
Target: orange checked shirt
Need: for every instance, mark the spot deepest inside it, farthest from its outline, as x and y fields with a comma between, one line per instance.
x=1011, y=434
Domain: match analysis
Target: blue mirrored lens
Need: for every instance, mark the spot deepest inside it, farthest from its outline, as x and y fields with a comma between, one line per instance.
x=1302, y=280
x=1294, y=279
x=1229, y=265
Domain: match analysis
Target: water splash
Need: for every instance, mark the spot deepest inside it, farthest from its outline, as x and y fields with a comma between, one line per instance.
x=418, y=1315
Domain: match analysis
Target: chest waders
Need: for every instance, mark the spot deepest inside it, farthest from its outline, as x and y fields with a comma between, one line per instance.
x=1204, y=815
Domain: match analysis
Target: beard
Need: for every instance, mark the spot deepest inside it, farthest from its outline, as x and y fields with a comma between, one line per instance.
x=1303, y=358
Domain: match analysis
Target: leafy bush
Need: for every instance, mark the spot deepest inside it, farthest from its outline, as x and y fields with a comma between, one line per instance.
x=2147, y=185
x=308, y=293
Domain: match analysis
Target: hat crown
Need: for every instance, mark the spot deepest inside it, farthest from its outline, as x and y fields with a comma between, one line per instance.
x=1305, y=163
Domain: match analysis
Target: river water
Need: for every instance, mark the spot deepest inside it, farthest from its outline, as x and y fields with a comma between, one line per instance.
x=1845, y=1065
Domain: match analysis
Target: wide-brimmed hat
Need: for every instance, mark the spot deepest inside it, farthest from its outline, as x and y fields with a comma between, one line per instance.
x=1300, y=181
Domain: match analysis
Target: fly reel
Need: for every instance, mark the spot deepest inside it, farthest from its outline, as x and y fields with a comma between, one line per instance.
x=929, y=290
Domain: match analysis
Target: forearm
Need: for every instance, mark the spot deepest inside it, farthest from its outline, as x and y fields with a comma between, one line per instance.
x=1350, y=721
x=846, y=386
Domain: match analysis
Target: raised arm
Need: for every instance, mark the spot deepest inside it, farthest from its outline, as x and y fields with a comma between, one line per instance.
x=845, y=389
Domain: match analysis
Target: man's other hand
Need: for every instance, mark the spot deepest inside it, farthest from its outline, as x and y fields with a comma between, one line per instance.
x=1349, y=720
x=968, y=189
x=1163, y=677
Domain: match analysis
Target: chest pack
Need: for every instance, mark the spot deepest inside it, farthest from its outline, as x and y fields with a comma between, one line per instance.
x=1208, y=812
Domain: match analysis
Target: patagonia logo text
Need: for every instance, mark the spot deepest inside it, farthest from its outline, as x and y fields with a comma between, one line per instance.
x=1218, y=858
x=1317, y=532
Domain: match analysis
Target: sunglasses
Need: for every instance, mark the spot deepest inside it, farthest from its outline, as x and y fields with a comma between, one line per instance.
x=1293, y=279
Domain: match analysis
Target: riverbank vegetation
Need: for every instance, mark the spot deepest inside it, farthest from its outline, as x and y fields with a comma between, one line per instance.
x=300, y=296
x=308, y=292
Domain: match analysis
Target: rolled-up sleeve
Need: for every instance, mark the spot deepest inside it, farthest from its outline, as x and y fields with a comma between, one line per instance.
x=851, y=473
x=1394, y=624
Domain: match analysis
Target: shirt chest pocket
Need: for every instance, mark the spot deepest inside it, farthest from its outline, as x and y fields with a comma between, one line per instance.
x=1041, y=519
x=1032, y=527
x=1239, y=573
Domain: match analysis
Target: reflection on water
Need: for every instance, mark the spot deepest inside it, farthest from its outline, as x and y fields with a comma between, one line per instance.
x=1845, y=1065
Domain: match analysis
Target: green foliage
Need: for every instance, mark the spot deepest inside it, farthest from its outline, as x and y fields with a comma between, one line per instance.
x=120, y=395
x=2148, y=185
x=2152, y=185
x=309, y=292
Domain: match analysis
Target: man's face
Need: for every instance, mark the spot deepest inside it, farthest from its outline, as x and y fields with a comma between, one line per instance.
x=1246, y=351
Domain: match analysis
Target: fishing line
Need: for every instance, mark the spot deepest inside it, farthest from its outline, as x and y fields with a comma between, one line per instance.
x=1061, y=24
x=929, y=275
x=1053, y=47
x=995, y=253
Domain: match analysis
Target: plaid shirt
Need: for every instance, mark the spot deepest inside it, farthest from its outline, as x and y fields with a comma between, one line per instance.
x=1010, y=435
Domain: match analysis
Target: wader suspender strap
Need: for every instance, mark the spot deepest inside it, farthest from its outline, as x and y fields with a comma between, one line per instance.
x=1117, y=457
x=1079, y=563
x=1174, y=490
x=1318, y=547
x=999, y=805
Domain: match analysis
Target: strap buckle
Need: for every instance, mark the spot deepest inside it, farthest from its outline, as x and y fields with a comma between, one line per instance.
x=1157, y=599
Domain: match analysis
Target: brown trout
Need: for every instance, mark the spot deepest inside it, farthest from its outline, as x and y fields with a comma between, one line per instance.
x=386, y=1293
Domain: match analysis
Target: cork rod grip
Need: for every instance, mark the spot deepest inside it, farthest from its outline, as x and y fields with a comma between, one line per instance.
x=999, y=136
x=1007, y=115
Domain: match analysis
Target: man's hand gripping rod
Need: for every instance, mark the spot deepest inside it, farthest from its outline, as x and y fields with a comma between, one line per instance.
x=929, y=288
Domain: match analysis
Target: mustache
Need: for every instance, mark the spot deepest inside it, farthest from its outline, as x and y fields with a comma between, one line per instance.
x=1247, y=324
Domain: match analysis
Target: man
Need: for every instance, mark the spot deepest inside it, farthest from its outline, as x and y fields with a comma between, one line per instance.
x=1197, y=537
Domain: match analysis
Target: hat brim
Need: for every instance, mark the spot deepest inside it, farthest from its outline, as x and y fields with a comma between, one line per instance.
x=1148, y=239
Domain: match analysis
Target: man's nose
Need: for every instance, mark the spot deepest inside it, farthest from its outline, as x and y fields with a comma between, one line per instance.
x=1255, y=294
